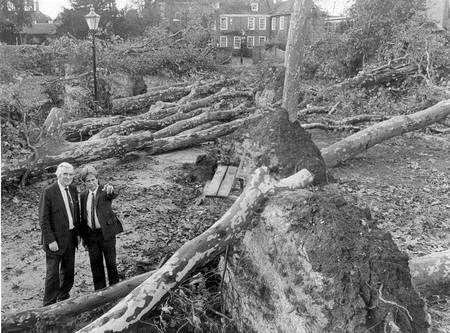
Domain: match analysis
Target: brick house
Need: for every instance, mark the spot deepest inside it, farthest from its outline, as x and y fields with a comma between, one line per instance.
x=242, y=21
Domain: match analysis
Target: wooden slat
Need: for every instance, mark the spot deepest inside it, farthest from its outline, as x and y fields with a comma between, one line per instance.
x=227, y=182
x=213, y=187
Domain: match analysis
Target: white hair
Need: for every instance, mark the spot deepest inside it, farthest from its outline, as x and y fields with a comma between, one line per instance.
x=63, y=165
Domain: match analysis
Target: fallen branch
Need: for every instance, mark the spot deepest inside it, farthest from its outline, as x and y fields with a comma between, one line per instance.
x=195, y=253
x=361, y=141
x=62, y=311
x=312, y=109
x=330, y=127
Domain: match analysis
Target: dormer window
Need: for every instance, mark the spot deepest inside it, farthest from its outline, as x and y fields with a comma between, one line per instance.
x=223, y=23
x=254, y=6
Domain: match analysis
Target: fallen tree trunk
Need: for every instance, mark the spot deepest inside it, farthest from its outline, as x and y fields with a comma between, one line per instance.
x=361, y=141
x=195, y=253
x=88, y=151
x=60, y=313
x=140, y=102
x=152, y=119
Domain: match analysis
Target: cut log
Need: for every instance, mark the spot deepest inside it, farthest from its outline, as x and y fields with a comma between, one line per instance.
x=183, y=125
x=58, y=314
x=83, y=129
x=194, y=253
x=149, y=120
x=141, y=102
x=88, y=151
x=199, y=128
x=361, y=141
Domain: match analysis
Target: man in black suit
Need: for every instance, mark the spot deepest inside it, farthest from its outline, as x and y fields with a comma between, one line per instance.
x=99, y=227
x=59, y=220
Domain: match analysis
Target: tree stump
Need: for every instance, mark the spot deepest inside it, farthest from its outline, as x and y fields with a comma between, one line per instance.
x=316, y=263
x=283, y=146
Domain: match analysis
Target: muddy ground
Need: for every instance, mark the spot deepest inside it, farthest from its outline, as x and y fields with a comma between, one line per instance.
x=404, y=181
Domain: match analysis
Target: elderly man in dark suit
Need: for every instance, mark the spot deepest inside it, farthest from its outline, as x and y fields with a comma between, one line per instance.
x=99, y=227
x=59, y=220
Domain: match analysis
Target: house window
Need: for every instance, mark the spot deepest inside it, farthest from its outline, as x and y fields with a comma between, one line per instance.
x=223, y=41
x=224, y=23
x=213, y=26
x=274, y=23
x=262, y=40
x=250, y=41
x=254, y=6
x=281, y=22
x=237, y=42
x=262, y=23
x=251, y=23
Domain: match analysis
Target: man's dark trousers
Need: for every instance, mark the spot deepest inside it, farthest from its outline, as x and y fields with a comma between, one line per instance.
x=56, y=290
x=98, y=248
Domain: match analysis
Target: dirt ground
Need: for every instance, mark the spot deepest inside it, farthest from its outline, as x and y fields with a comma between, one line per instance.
x=404, y=181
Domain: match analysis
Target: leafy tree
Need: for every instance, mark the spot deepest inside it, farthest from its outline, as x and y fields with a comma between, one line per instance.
x=13, y=17
x=375, y=22
x=72, y=20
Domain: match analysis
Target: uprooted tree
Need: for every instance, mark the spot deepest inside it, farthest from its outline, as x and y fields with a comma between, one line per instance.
x=346, y=274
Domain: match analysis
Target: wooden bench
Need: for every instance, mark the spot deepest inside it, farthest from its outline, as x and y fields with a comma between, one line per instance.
x=222, y=182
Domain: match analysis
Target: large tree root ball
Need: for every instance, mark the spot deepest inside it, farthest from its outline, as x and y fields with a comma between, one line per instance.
x=315, y=262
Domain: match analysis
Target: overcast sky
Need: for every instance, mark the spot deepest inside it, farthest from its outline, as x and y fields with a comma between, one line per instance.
x=53, y=7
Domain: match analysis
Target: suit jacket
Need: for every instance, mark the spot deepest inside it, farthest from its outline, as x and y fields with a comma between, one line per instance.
x=53, y=217
x=108, y=220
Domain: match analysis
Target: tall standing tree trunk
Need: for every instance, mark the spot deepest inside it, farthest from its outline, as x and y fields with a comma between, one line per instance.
x=299, y=32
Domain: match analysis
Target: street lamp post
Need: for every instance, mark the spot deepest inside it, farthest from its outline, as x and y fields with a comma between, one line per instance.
x=242, y=45
x=92, y=20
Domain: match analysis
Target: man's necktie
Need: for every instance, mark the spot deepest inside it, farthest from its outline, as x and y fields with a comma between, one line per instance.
x=69, y=198
x=92, y=210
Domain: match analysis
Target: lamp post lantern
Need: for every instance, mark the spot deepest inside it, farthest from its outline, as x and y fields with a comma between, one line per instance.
x=92, y=20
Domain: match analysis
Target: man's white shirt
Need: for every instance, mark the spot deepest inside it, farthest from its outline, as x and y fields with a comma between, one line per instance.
x=89, y=209
x=66, y=204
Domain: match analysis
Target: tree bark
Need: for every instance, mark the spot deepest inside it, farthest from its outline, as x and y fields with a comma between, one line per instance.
x=298, y=35
x=194, y=253
x=63, y=311
x=361, y=141
x=140, y=102
x=88, y=151
x=152, y=119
